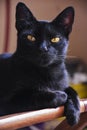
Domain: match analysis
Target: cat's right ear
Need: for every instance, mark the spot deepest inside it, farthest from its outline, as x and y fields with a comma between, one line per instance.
x=23, y=15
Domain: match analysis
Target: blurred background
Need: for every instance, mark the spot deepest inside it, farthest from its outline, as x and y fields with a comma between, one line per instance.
x=76, y=61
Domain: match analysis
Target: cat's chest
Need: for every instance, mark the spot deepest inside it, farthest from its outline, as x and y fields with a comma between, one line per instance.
x=32, y=78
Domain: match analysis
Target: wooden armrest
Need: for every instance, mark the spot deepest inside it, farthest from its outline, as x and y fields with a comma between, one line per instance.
x=20, y=120
x=80, y=126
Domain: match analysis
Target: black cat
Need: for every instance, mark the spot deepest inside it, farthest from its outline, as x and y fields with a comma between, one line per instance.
x=35, y=76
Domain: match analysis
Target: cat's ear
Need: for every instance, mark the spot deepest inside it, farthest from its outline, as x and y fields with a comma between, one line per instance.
x=23, y=15
x=65, y=19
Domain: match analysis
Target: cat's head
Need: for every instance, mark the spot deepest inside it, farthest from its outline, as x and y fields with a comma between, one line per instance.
x=41, y=42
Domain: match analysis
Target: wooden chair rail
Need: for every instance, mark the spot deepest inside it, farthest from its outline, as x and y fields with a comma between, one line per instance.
x=80, y=126
x=19, y=120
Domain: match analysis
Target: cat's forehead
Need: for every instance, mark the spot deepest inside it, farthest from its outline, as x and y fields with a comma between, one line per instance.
x=45, y=25
x=48, y=27
x=40, y=28
x=44, y=21
x=39, y=25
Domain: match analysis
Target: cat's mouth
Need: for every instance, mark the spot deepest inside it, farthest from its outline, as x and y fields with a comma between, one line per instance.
x=45, y=60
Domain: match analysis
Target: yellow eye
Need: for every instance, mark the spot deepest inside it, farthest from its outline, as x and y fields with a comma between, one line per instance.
x=31, y=38
x=55, y=39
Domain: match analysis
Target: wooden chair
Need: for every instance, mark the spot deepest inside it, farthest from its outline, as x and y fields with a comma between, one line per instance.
x=15, y=121
x=81, y=125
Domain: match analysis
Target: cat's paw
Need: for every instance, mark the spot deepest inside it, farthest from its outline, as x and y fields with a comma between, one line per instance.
x=72, y=114
x=72, y=117
x=60, y=98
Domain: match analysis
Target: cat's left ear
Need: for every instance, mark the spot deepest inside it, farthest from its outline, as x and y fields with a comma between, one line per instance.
x=23, y=16
x=65, y=19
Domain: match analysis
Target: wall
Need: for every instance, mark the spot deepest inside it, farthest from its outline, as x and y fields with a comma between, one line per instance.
x=45, y=9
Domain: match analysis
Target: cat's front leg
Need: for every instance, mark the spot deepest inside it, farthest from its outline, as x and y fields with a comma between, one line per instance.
x=72, y=106
x=51, y=98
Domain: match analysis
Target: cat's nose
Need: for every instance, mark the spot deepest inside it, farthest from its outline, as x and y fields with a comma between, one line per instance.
x=43, y=47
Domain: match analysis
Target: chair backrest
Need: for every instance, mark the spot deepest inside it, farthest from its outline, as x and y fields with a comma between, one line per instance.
x=20, y=120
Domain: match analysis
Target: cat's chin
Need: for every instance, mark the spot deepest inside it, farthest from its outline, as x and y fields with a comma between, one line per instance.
x=42, y=63
x=45, y=63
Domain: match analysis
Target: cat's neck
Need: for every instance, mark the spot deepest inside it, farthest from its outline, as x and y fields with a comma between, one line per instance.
x=52, y=71
x=55, y=70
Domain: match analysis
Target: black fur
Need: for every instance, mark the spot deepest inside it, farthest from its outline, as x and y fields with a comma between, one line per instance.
x=35, y=76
